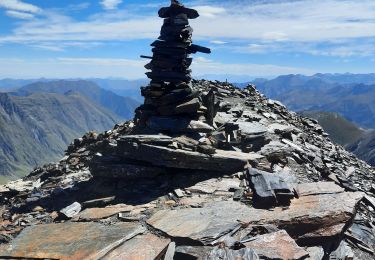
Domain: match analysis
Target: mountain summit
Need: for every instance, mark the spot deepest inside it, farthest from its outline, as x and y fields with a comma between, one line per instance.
x=223, y=174
x=173, y=194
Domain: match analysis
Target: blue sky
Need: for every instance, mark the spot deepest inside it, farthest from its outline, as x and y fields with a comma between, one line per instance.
x=249, y=38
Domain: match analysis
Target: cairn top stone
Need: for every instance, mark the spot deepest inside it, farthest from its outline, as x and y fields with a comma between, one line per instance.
x=176, y=8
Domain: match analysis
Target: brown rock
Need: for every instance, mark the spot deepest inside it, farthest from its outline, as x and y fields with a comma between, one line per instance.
x=69, y=240
x=316, y=188
x=305, y=215
x=147, y=246
x=100, y=213
x=277, y=245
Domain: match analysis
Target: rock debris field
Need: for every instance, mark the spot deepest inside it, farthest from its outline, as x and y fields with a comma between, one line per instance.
x=204, y=171
x=264, y=184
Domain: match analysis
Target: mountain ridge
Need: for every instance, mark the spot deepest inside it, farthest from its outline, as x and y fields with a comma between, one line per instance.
x=37, y=128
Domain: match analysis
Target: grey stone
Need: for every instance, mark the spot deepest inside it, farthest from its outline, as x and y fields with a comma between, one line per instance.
x=69, y=240
x=305, y=215
x=221, y=161
x=270, y=189
x=277, y=245
x=178, y=125
x=71, y=210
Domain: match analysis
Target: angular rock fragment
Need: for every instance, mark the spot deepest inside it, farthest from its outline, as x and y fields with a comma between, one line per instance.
x=315, y=253
x=71, y=210
x=127, y=171
x=171, y=250
x=178, y=125
x=278, y=245
x=305, y=215
x=221, y=161
x=192, y=252
x=362, y=236
x=69, y=240
x=226, y=253
x=212, y=185
x=147, y=246
x=251, y=128
x=270, y=189
x=318, y=188
x=187, y=223
x=92, y=214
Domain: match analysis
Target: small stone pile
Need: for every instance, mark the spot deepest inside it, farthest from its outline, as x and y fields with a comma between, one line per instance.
x=170, y=99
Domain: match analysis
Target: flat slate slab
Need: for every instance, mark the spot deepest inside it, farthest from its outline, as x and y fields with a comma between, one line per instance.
x=69, y=240
x=277, y=245
x=221, y=161
x=316, y=188
x=305, y=215
x=203, y=224
x=147, y=246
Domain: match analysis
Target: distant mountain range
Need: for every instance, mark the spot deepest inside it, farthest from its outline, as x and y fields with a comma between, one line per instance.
x=350, y=95
x=39, y=120
x=121, y=87
x=119, y=105
x=44, y=115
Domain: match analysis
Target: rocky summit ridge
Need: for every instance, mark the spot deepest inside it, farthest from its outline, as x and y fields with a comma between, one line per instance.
x=205, y=171
x=265, y=183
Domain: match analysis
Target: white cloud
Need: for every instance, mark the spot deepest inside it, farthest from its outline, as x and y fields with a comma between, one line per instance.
x=17, y=5
x=202, y=67
x=110, y=4
x=202, y=60
x=296, y=21
x=209, y=11
x=277, y=26
x=68, y=67
x=218, y=42
x=20, y=15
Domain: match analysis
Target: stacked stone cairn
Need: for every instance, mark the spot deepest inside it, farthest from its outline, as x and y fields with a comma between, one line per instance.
x=171, y=104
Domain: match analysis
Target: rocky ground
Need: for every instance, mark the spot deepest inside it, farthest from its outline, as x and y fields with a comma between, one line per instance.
x=261, y=183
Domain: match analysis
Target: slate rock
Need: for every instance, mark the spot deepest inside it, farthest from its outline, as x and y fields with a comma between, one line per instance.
x=71, y=210
x=317, y=188
x=192, y=252
x=270, y=189
x=221, y=161
x=147, y=246
x=305, y=215
x=178, y=125
x=278, y=245
x=69, y=240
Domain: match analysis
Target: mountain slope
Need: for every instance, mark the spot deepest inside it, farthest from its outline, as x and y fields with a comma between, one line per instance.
x=121, y=106
x=364, y=148
x=340, y=129
x=37, y=128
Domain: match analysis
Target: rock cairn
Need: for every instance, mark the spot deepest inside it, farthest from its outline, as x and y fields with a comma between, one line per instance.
x=171, y=104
